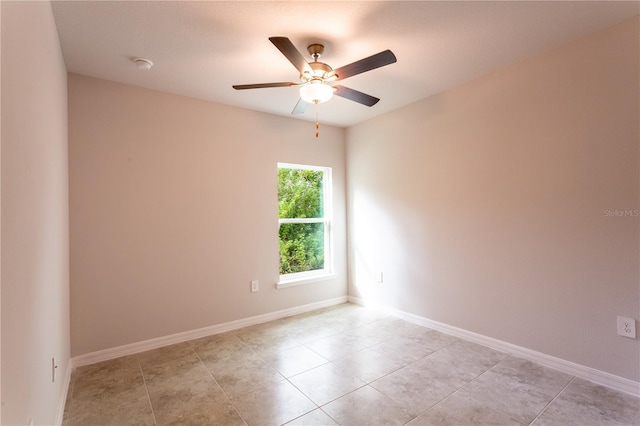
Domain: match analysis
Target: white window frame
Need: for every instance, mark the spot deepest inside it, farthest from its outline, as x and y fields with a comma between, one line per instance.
x=308, y=277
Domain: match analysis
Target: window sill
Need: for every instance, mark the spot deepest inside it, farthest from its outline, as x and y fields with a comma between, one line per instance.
x=303, y=281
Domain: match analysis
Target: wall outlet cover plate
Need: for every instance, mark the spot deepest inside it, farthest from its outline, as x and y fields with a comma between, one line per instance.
x=627, y=327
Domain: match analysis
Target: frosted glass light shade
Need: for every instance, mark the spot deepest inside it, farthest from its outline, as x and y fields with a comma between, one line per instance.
x=316, y=92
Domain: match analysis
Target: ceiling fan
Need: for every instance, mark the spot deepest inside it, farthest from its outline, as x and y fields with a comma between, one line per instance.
x=317, y=78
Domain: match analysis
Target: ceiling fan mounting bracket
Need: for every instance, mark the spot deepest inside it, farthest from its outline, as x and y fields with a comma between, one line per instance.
x=315, y=50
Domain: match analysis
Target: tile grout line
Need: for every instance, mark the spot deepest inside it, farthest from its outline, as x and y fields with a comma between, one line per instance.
x=318, y=407
x=507, y=356
x=366, y=383
x=413, y=417
x=488, y=370
x=328, y=415
x=329, y=362
x=548, y=404
x=553, y=400
x=146, y=388
x=463, y=386
x=216, y=382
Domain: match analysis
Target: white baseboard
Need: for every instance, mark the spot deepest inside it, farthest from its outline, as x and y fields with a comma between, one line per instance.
x=596, y=376
x=145, y=345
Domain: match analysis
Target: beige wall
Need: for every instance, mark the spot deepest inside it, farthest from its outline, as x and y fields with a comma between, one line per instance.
x=174, y=211
x=485, y=206
x=35, y=215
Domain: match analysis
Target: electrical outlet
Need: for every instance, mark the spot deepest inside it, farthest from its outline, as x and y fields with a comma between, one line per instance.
x=627, y=327
x=255, y=286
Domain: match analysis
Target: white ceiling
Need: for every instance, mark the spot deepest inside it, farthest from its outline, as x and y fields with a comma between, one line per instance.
x=200, y=49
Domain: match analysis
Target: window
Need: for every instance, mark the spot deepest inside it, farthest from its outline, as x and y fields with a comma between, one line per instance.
x=304, y=216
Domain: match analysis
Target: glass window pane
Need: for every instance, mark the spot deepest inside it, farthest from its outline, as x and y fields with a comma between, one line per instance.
x=300, y=193
x=301, y=247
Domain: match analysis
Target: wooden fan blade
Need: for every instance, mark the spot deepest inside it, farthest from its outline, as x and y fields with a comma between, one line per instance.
x=300, y=107
x=367, y=64
x=287, y=48
x=263, y=85
x=356, y=96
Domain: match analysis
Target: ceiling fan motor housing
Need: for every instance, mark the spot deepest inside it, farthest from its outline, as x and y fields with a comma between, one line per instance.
x=319, y=70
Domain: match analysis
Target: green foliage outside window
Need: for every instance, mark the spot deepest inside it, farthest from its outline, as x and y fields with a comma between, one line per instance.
x=301, y=244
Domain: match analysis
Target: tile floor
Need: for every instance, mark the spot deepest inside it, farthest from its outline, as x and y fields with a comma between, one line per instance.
x=343, y=365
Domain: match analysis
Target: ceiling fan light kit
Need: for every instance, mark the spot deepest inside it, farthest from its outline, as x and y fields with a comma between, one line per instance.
x=316, y=92
x=316, y=78
x=315, y=88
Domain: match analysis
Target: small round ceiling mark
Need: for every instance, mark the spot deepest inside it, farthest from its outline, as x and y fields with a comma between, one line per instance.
x=143, y=64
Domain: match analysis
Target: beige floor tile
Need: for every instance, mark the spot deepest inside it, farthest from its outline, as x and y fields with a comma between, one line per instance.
x=402, y=349
x=459, y=410
x=301, y=329
x=348, y=318
x=174, y=366
x=316, y=417
x=265, y=330
x=520, y=401
x=124, y=407
x=221, y=352
x=195, y=401
x=370, y=334
x=337, y=346
x=273, y=405
x=165, y=354
x=431, y=339
x=271, y=344
x=318, y=331
x=452, y=371
x=396, y=326
x=110, y=392
x=585, y=403
x=215, y=343
x=470, y=357
x=366, y=406
x=294, y=361
x=351, y=315
x=367, y=315
x=207, y=414
x=416, y=391
x=194, y=378
x=325, y=383
x=367, y=365
x=223, y=355
x=526, y=372
x=243, y=375
x=109, y=377
x=186, y=393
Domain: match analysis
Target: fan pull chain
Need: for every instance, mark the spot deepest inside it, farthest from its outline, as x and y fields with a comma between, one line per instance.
x=317, y=123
